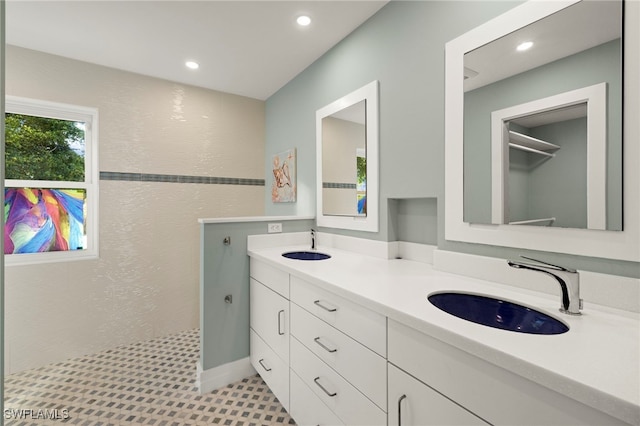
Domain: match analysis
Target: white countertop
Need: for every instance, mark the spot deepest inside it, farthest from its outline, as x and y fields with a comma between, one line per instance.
x=597, y=362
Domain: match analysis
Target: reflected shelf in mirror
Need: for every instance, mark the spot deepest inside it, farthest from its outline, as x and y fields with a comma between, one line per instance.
x=531, y=144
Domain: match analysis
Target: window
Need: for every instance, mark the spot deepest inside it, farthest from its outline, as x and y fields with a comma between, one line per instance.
x=361, y=180
x=51, y=181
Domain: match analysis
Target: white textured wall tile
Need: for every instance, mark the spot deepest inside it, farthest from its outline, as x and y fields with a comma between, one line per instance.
x=146, y=282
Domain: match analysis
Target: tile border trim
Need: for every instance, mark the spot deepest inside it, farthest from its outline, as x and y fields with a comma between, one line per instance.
x=153, y=177
x=338, y=185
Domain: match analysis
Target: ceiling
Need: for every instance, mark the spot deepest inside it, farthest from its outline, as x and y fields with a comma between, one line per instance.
x=249, y=48
x=576, y=28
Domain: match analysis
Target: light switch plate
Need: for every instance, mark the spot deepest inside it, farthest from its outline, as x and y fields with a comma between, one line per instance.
x=272, y=228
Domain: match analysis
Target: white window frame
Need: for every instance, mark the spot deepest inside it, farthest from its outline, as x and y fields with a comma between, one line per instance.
x=55, y=110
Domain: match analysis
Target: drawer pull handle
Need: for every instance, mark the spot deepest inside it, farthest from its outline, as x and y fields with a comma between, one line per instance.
x=323, y=346
x=400, y=409
x=317, y=303
x=281, y=333
x=331, y=394
x=263, y=366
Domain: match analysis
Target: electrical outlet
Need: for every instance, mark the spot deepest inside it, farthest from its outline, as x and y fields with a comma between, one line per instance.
x=274, y=227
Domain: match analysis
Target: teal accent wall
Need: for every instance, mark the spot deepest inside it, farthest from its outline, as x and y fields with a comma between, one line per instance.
x=403, y=47
x=224, y=270
x=414, y=220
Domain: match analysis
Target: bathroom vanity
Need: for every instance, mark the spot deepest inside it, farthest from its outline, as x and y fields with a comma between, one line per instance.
x=365, y=345
x=354, y=340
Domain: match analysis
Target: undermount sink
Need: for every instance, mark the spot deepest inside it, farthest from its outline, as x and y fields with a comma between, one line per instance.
x=497, y=313
x=306, y=255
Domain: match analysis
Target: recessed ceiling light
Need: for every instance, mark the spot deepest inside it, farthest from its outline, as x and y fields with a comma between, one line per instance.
x=524, y=46
x=303, y=20
x=192, y=65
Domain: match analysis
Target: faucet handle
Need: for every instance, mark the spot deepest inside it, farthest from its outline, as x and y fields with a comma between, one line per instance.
x=551, y=265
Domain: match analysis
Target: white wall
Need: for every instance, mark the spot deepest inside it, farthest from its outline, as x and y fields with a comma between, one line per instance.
x=145, y=283
x=341, y=140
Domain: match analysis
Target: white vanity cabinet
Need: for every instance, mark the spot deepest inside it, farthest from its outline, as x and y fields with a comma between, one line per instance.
x=273, y=370
x=491, y=393
x=269, y=317
x=411, y=402
x=361, y=366
x=307, y=408
x=362, y=324
x=269, y=322
x=339, y=347
x=338, y=352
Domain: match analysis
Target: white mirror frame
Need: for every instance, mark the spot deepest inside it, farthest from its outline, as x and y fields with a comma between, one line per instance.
x=369, y=222
x=621, y=245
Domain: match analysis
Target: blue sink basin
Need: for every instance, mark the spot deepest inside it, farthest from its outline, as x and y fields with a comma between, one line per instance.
x=497, y=313
x=306, y=255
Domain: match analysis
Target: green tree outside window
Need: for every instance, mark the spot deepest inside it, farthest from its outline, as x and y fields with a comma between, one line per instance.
x=39, y=148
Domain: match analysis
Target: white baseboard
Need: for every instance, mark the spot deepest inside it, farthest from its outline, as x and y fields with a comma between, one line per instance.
x=214, y=378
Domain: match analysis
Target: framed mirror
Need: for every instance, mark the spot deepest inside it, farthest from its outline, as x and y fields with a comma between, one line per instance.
x=347, y=161
x=491, y=196
x=543, y=104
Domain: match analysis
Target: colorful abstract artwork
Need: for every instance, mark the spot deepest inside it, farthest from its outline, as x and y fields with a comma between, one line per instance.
x=284, y=189
x=41, y=220
x=361, y=181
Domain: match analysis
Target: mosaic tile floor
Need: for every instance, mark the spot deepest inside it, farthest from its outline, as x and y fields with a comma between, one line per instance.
x=147, y=383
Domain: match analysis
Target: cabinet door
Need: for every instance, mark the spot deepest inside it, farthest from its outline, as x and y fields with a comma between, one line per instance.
x=274, y=278
x=411, y=402
x=273, y=370
x=269, y=317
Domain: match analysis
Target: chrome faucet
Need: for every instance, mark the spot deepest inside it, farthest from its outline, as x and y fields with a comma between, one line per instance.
x=313, y=239
x=569, y=281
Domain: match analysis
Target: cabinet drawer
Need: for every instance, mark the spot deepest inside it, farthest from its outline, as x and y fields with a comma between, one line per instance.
x=276, y=279
x=362, y=324
x=269, y=317
x=363, y=368
x=411, y=402
x=306, y=407
x=493, y=393
x=273, y=370
x=351, y=406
